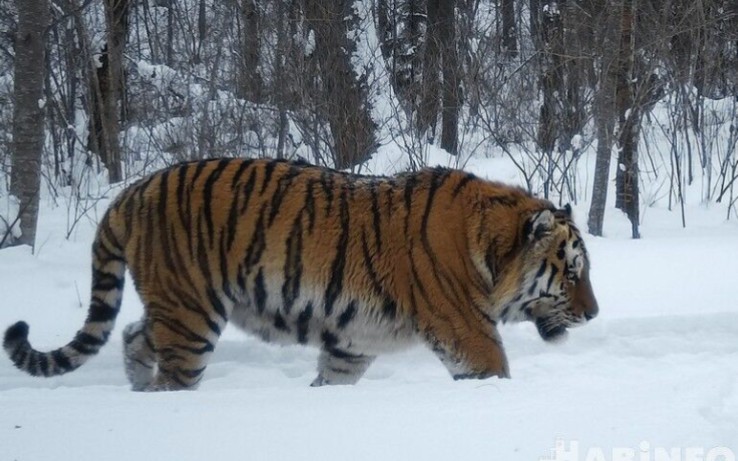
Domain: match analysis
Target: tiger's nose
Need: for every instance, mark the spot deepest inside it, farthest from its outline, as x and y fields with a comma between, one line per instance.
x=592, y=312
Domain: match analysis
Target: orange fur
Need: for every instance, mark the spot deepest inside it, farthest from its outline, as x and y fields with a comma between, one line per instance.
x=301, y=254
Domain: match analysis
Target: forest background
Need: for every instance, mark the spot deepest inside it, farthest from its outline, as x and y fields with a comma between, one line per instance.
x=93, y=93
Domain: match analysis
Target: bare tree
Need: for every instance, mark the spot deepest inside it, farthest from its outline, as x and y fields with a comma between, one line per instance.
x=250, y=83
x=450, y=71
x=605, y=117
x=629, y=114
x=346, y=105
x=28, y=116
x=509, y=28
x=107, y=90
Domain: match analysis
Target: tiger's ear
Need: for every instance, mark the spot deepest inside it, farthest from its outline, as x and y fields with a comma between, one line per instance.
x=539, y=225
x=567, y=210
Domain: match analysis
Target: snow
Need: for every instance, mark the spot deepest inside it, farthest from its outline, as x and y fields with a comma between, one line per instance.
x=657, y=368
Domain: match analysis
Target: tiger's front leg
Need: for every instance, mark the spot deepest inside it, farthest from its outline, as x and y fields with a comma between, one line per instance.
x=336, y=366
x=474, y=354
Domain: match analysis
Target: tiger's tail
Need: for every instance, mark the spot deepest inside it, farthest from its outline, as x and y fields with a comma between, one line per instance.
x=108, y=272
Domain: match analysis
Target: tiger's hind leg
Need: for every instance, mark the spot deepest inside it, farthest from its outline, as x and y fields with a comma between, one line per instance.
x=138, y=355
x=183, y=341
x=336, y=366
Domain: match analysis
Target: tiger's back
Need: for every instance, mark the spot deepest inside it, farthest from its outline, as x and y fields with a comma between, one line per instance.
x=300, y=254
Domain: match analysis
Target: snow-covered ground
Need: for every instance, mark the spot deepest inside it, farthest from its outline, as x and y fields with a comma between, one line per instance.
x=657, y=370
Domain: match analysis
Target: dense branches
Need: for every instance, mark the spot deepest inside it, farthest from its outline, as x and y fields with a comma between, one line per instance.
x=134, y=85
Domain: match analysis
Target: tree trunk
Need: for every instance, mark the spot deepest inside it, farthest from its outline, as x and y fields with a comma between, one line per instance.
x=250, y=84
x=550, y=46
x=401, y=29
x=509, y=28
x=451, y=94
x=430, y=91
x=107, y=88
x=28, y=112
x=605, y=117
x=629, y=113
x=346, y=105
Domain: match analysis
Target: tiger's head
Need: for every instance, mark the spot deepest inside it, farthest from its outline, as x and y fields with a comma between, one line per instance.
x=548, y=281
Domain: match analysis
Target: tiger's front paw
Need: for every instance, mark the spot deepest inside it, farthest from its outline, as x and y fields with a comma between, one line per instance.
x=319, y=381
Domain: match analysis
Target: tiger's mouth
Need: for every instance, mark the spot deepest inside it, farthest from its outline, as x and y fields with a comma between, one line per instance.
x=550, y=329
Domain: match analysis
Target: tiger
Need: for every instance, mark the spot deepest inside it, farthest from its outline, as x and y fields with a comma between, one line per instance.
x=354, y=265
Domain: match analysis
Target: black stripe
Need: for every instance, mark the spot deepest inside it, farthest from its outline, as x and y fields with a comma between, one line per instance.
x=107, y=233
x=181, y=181
x=335, y=285
x=283, y=188
x=257, y=244
x=280, y=324
x=62, y=361
x=89, y=339
x=241, y=279
x=551, y=276
x=463, y=183
x=542, y=269
x=376, y=217
x=148, y=236
x=347, y=316
x=183, y=205
x=202, y=255
x=329, y=340
x=389, y=308
x=232, y=222
x=489, y=260
x=410, y=183
x=101, y=312
x=303, y=322
x=207, y=197
x=309, y=207
x=199, y=166
x=163, y=192
x=106, y=281
x=436, y=182
x=260, y=293
x=128, y=205
x=181, y=272
x=191, y=374
x=268, y=171
x=185, y=301
x=19, y=356
x=346, y=356
x=293, y=266
x=326, y=181
x=242, y=167
x=216, y=303
x=418, y=283
x=225, y=275
x=43, y=366
x=369, y=265
x=188, y=334
x=248, y=190
x=163, y=221
x=561, y=252
x=82, y=348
